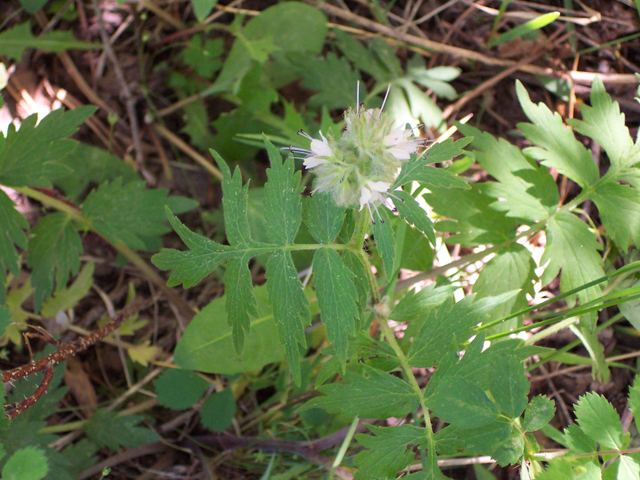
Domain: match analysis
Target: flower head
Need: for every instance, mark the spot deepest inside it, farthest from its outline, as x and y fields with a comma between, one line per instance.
x=359, y=168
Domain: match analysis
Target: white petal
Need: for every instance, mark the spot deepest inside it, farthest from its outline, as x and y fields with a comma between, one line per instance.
x=400, y=153
x=313, y=162
x=378, y=186
x=321, y=148
x=365, y=196
x=394, y=137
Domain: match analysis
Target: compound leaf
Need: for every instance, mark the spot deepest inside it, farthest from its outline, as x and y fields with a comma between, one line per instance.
x=619, y=208
x=389, y=451
x=108, y=429
x=333, y=78
x=603, y=122
x=12, y=225
x=282, y=195
x=598, y=420
x=290, y=306
x=337, y=298
x=54, y=251
x=376, y=395
x=557, y=146
x=32, y=155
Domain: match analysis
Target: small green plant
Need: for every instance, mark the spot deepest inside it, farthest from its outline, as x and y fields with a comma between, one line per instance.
x=369, y=167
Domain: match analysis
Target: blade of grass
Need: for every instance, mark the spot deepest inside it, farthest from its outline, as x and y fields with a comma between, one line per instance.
x=530, y=26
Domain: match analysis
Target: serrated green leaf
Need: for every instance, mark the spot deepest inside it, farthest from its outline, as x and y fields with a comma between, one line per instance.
x=417, y=169
x=453, y=322
x=282, y=196
x=69, y=297
x=203, y=55
x=290, y=306
x=539, y=412
x=337, y=297
x=108, y=429
x=525, y=190
x=32, y=6
x=598, y=420
x=353, y=263
x=475, y=219
x=385, y=241
x=32, y=155
x=207, y=344
x=26, y=464
x=234, y=204
x=12, y=224
x=202, y=258
x=578, y=441
x=240, y=300
x=624, y=468
x=378, y=395
x=128, y=213
x=5, y=319
x=603, y=122
x=16, y=40
x=509, y=451
x=54, y=252
x=389, y=451
x=179, y=389
x=574, y=249
x=474, y=441
x=218, y=410
x=510, y=387
x=334, y=80
x=619, y=208
x=80, y=456
x=411, y=212
x=589, y=338
x=461, y=403
x=415, y=304
x=557, y=146
x=323, y=217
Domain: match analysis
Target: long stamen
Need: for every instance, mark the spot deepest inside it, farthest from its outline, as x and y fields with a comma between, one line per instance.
x=304, y=134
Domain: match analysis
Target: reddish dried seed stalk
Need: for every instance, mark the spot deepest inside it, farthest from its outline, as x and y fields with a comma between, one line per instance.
x=17, y=408
x=47, y=363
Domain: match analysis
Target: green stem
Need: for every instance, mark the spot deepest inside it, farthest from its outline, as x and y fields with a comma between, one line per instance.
x=391, y=339
x=343, y=448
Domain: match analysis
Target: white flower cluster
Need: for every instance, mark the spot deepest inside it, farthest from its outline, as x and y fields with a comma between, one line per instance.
x=360, y=166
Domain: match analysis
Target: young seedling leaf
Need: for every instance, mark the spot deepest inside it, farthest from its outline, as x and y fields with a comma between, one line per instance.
x=388, y=451
x=32, y=155
x=108, y=429
x=337, y=298
x=375, y=394
x=557, y=147
x=282, y=198
x=218, y=410
x=290, y=306
x=54, y=252
x=526, y=28
x=26, y=464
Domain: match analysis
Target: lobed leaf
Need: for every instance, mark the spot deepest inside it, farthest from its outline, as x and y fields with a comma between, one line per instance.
x=412, y=213
x=376, y=395
x=108, y=429
x=557, y=146
x=385, y=242
x=388, y=451
x=32, y=156
x=12, y=225
x=599, y=421
x=619, y=208
x=323, y=217
x=240, y=299
x=539, y=412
